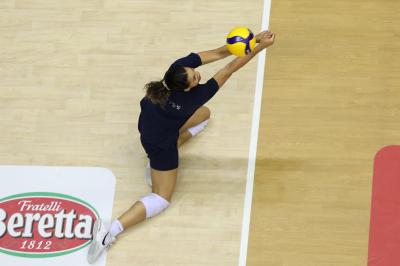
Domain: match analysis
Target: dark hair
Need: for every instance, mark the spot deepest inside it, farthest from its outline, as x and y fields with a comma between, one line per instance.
x=175, y=79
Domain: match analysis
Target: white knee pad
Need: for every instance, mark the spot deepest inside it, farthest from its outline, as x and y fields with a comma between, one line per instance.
x=154, y=204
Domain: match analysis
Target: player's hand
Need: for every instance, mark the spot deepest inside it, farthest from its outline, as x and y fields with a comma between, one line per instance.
x=260, y=35
x=266, y=38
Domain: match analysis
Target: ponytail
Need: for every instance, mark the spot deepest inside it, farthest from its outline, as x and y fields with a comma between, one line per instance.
x=175, y=79
x=157, y=92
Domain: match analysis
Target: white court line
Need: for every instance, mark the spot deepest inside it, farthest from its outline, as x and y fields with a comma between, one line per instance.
x=253, y=142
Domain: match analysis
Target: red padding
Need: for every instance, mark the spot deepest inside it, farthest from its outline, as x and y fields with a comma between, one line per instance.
x=384, y=234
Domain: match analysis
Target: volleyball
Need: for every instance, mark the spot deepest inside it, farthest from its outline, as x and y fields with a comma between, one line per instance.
x=240, y=41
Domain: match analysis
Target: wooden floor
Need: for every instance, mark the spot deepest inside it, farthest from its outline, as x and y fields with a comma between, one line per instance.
x=71, y=78
x=331, y=101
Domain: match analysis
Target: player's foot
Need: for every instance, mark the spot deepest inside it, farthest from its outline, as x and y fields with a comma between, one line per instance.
x=147, y=174
x=102, y=239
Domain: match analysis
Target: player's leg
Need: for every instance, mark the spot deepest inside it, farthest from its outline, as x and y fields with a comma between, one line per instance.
x=194, y=124
x=183, y=137
x=164, y=171
x=148, y=206
x=200, y=115
x=163, y=186
x=145, y=208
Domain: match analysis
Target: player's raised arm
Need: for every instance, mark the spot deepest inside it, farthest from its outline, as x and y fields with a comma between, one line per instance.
x=265, y=40
x=214, y=55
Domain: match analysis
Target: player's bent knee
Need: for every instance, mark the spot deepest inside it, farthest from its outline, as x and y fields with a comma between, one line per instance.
x=207, y=112
x=154, y=204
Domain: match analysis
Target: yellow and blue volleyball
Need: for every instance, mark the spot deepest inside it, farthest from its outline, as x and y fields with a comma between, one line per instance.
x=240, y=41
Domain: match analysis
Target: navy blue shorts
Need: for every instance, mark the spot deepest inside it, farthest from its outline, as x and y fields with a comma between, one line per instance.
x=162, y=159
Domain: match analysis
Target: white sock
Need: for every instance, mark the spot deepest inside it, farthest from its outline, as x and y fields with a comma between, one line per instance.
x=197, y=128
x=116, y=228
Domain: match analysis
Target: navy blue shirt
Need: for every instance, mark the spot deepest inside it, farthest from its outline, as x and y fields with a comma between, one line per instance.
x=160, y=126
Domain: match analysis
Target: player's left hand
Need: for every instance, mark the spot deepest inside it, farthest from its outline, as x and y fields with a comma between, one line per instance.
x=263, y=34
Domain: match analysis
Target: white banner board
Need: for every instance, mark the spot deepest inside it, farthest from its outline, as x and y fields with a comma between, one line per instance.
x=47, y=213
